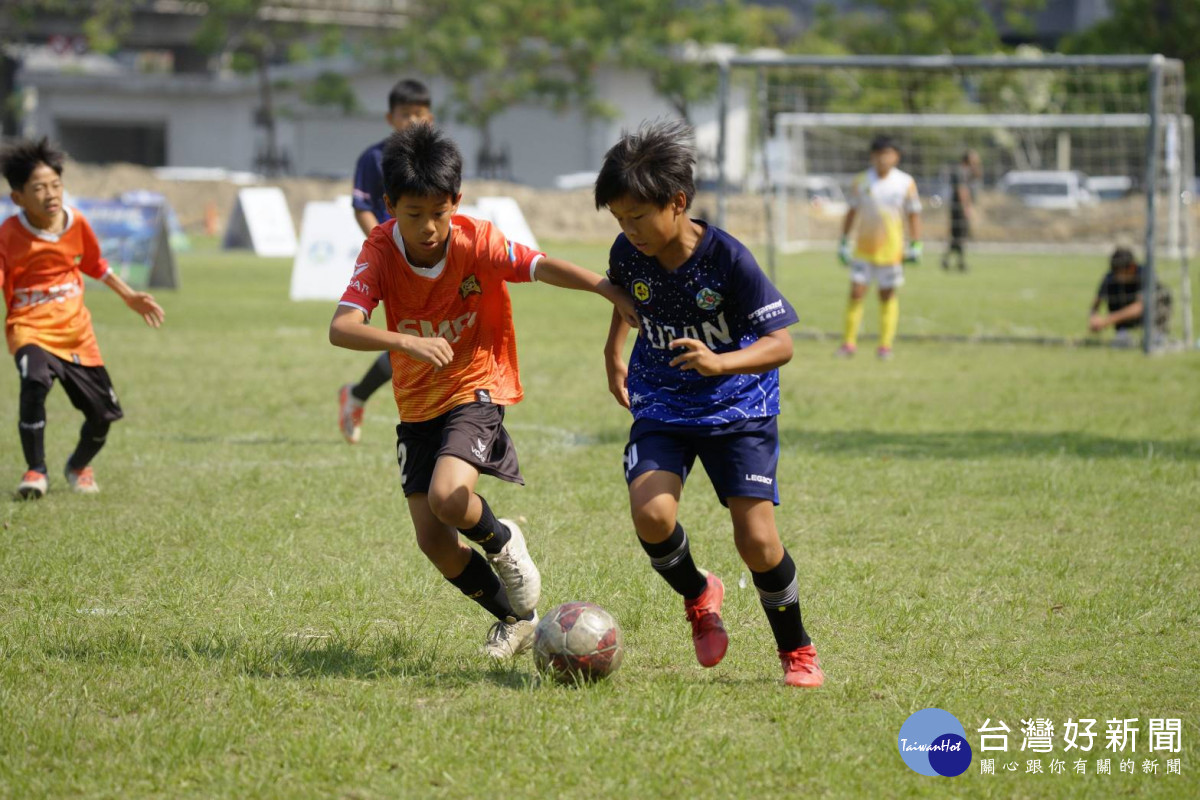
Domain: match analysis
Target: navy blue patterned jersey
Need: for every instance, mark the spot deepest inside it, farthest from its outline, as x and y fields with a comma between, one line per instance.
x=718, y=296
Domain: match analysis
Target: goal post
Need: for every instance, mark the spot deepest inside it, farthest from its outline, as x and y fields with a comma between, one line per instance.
x=1079, y=152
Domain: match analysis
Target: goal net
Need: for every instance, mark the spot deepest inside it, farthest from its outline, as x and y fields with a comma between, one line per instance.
x=1076, y=154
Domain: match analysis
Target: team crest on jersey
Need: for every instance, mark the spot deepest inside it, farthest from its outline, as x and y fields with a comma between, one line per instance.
x=641, y=291
x=708, y=299
x=469, y=286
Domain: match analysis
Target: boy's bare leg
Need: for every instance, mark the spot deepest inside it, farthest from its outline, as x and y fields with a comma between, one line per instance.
x=453, y=501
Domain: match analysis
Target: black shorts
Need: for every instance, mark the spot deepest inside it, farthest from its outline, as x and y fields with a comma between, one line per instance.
x=90, y=389
x=740, y=457
x=960, y=227
x=473, y=432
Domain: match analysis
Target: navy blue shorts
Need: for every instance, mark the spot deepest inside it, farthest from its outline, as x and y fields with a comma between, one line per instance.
x=739, y=457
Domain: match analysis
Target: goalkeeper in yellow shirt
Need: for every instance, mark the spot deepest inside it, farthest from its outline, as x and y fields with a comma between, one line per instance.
x=880, y=200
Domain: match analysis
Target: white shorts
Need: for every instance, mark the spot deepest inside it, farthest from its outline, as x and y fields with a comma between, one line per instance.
x=887, y=277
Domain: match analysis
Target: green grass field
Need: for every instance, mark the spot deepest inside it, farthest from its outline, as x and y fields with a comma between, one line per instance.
x=1002, y=531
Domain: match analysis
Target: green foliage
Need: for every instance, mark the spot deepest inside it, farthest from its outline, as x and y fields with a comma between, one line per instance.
x=331, y=89
x=1169, y=27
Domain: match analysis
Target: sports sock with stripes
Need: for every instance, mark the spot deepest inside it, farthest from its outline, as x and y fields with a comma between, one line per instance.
x=672, y=558
x=779, y=594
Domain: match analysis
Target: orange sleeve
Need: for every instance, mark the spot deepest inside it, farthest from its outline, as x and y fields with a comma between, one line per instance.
x=93, y=265
x=513, y=260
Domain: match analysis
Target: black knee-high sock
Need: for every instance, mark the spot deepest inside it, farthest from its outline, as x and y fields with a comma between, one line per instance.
x=379, y=374
x=91, y=439
x=780, y=597
x=482, y=585
x=489, y=533
x=32, y=424
x=672, y=558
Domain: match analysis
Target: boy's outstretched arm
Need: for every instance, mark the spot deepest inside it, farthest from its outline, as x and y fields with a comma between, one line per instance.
x=349, y=329
x=557, y=272
x=770, y=351
x=142, y=303
x=614, y=361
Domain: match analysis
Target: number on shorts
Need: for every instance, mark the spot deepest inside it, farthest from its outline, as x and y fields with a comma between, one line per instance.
x=23, y=366
x=402, y=457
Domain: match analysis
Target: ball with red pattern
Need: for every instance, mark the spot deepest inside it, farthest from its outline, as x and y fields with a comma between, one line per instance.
x=578, y=642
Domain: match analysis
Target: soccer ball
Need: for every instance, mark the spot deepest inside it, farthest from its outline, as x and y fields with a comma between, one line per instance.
x=577, y=642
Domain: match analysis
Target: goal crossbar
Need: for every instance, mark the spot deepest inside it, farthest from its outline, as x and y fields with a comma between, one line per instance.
x=805, y=119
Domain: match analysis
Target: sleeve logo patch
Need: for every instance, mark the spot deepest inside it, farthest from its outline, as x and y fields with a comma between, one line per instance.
x=641, y=291
x=469, y=286
x=707, y=299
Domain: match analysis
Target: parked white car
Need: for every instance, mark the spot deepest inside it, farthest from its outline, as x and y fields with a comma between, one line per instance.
x=1109, y=187
x=1048, y=188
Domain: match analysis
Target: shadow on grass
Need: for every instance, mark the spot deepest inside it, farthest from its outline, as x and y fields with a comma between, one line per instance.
x=987, y=444
x=303, y=656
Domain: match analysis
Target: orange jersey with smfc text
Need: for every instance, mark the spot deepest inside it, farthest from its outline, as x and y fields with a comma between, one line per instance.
x=43, y=287
x=462, y=298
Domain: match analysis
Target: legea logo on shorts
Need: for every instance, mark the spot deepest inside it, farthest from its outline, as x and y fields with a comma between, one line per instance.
x=933, y=742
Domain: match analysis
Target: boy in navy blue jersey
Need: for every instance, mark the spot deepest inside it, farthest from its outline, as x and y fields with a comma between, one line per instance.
x=703, y=381
x=408, y=103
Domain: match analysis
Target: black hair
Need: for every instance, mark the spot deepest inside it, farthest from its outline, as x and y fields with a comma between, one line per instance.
x=19, y=159
x=409, y=92
x=884, y=142
x=1122, y=259
x=421, y=161
x=650, y=166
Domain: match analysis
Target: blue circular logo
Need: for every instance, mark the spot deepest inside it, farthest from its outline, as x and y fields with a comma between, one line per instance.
x=933, y=742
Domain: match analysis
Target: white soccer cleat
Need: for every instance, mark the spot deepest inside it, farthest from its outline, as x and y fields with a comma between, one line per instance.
x=510, y=639
x=350, y=414
x=517, y=572
x=33, y=485
x=83, y=481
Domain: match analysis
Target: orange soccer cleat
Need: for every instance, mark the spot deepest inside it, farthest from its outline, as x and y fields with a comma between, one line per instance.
x=708, y=632
x=801, y=667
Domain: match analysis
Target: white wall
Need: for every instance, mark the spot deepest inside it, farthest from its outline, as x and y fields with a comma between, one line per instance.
x=211, y=124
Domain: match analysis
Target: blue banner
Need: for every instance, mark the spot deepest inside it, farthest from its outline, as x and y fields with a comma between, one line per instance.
x=133, y=238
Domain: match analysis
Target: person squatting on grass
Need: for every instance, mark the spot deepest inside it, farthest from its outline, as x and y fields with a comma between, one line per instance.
x=45, y=250
x=703, y=380
x=441, y=278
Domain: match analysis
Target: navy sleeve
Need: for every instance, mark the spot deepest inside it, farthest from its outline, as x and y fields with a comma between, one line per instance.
x=368, y=182
x=617, y=274
x=755, y=296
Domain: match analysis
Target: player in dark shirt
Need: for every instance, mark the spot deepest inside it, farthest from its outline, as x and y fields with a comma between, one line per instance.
x=409, y=102
x=1121, y=292
x=702, y=382
x=962, y=207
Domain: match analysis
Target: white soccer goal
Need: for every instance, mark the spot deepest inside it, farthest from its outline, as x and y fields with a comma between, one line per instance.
x=1078, y=152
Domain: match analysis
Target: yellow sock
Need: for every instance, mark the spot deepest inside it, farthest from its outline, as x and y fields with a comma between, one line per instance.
x=854, y=315
x=889, y=320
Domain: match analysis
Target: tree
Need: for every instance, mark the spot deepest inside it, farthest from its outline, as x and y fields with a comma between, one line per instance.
x=1169, y=27
x=666, y=39
x=501, y=53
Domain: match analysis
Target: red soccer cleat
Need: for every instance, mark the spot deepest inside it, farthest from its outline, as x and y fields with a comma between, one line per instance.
x=350, y=414
x=708, y=633
x=801, y=667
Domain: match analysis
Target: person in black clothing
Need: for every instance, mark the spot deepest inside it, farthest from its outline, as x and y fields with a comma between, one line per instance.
x=1121, y=293
x=962, y=208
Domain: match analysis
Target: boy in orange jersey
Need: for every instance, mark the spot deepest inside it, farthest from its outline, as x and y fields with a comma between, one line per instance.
x=441, y=278
x=45, y=250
